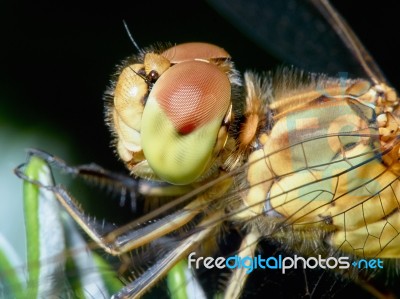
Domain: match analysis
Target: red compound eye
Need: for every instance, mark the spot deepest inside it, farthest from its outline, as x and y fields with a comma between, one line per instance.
x=193, y=51
x=191, y=94
x=182, y=119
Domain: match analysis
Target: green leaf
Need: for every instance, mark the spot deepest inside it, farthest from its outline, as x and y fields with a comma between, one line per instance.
x=182, y=283
x=10, y=281
x=59, y=263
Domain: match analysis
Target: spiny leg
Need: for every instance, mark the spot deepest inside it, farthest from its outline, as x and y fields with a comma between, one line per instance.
x=138, y=287
x=239, y=276
x=131, y=235
x=138, y=233
x=121, y=182
x=158, y=271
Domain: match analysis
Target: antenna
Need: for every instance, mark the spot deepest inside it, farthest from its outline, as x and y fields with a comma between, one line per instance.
x=130, y=36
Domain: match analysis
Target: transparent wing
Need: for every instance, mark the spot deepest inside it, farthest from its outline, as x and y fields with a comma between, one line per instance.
x=294, y=31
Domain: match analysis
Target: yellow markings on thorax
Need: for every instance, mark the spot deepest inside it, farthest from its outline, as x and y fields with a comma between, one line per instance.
x=320, y=165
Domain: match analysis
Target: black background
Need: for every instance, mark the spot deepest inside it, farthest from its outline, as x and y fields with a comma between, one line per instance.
x=56, y=58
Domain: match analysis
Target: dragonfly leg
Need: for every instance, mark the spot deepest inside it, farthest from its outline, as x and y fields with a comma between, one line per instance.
x=239, y=276
x=138, y=287
x=153, y=226
x=144, y=230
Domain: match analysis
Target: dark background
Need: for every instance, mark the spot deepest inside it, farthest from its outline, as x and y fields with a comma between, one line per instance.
x=56, y=59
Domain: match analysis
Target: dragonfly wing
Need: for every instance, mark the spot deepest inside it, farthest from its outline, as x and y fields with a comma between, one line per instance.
x=294, y=31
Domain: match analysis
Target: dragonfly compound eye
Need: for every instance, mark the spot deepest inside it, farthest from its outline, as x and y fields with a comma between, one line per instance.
x=194, y=51
x=182, y=119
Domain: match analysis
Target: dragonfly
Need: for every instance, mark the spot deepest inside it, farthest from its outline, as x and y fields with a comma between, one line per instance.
x=257, y=166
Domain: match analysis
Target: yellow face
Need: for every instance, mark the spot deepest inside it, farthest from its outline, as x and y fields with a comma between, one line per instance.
x=170, y=111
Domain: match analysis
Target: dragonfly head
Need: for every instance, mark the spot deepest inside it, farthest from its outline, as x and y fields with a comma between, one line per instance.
x=171, y=112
